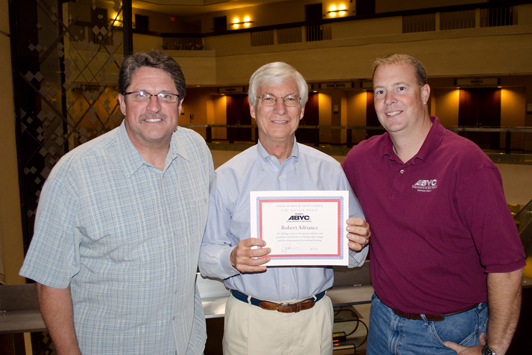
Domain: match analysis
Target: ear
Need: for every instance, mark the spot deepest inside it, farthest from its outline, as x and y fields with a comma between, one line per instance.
x=179, y=107
x=252, y=111
x=425, y=93
x=302, y=113
x=122, y=101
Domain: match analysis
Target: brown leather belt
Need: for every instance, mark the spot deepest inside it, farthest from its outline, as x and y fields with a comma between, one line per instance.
x=279, y=307
x=433, y=317
x=287, y=307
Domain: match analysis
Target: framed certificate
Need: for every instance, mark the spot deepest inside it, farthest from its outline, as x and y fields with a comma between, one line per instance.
x=302, y=228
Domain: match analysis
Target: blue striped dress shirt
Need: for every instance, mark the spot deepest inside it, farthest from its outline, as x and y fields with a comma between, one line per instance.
x=229, y=219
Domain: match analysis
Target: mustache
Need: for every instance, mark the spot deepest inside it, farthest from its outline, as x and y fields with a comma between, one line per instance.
x=157, y=115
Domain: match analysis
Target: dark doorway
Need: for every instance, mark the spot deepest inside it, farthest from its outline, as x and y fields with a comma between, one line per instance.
x=142, y=23
x=238, y=114
x=220, y=24
x=365, y=7
x=313, y=17
x=313, y=13
x=371, y=116
x=311, y=118
x=481, y=108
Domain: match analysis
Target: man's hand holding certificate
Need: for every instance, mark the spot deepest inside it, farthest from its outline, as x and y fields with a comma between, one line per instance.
x=305, y=227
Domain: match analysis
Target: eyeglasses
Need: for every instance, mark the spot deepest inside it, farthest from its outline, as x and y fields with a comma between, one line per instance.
x=270, y=100
x=143, y=96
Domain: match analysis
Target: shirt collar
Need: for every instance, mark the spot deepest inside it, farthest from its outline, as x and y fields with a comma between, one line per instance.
x=432, y=141
x=387, y=147
x=264, y=154
x=130, y=159
x=177, y=148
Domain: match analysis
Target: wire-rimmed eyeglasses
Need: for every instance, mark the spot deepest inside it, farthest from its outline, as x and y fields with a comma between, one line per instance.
x=143, y=96
x=270, y=100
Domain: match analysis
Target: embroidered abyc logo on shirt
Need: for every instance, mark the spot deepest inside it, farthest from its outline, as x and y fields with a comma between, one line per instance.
x=426, y=185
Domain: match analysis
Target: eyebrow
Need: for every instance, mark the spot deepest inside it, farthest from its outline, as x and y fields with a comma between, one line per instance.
x=160, y=92
x=393, y=84
x=269, y=93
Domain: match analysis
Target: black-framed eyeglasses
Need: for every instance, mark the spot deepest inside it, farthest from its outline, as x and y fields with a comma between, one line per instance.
x=270, y=100
x=143, y=96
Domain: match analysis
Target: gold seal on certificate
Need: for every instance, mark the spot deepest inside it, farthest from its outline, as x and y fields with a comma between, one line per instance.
x=302, y=228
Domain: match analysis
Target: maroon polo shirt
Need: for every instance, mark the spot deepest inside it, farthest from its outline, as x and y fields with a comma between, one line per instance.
x=439, y=222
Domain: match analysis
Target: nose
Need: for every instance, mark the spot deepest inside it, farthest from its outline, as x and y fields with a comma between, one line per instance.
x=279, y=107
x=153, y=104
x=389, y=99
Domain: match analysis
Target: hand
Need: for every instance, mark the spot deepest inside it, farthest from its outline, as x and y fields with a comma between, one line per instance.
x=358, y=233
x=472, y=350
x=242, y=256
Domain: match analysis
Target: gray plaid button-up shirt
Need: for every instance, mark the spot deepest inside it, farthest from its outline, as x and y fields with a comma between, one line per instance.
x=126, y=236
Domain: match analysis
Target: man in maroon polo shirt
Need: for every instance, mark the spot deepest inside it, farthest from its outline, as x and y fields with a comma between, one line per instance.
x=445, y=250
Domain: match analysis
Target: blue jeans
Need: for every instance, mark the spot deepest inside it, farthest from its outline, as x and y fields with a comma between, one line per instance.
x=395, y=335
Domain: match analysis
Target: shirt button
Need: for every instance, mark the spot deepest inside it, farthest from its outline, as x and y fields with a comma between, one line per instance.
x=280, y=177
x=402, y=171
x=284, y=286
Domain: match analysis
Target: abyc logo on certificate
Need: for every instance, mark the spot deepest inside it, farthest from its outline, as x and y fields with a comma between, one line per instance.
x=425, y=185
x=299, y=217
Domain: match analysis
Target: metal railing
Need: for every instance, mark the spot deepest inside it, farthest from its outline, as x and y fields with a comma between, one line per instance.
x=353, y=134
x=262, y=38
x=296, y=34
x=183, y=43
x=454, y=20
x=289, y=35
x=524, y=225
x=419, y=23
x=498, y=16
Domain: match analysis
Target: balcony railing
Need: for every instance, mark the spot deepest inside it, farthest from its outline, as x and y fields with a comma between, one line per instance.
x=351, y=132
x=419, y=23
x=296, y=34
x=454, y=20
x=183, y=43
x=289, y=35
x=423, y=20
x=498, y=16
x=262, y=38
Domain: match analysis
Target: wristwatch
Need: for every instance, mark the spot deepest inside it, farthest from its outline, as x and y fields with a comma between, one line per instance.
x=486, y=350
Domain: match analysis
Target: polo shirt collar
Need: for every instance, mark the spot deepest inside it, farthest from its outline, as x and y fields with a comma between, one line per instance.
x=129, y=157
x=432, y=141
x=387, y=147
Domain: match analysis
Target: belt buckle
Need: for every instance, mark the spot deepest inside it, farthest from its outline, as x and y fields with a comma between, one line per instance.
x=297, y=307
x=281, y=305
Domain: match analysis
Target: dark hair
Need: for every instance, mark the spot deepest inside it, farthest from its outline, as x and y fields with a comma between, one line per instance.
x=153, y=59
x=421, y=75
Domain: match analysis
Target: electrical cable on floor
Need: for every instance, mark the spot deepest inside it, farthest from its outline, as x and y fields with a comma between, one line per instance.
x=355, y=318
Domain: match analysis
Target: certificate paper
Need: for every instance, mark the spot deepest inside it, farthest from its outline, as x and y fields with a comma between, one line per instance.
x=302, y=227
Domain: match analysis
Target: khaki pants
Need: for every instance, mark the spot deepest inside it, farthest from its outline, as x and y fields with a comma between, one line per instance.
x=251, y=330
